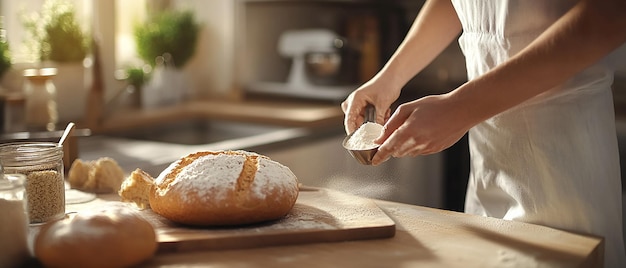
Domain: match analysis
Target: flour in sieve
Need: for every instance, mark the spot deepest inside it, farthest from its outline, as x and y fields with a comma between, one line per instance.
x=363, y=138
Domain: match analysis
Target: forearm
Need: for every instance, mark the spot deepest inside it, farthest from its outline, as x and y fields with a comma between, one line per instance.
x=432, y=31
x=584, y=35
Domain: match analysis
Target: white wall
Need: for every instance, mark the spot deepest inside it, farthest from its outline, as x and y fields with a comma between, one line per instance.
x=211, y=69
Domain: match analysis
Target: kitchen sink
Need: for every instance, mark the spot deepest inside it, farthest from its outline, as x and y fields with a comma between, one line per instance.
x=153, y=148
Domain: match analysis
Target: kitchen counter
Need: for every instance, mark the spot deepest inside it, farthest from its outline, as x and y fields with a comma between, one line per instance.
x=290, y=113
x=424, y=237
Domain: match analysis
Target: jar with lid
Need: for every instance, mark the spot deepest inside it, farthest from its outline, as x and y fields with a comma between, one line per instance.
x=13, y=221
x=42, y=164
x=41, y=103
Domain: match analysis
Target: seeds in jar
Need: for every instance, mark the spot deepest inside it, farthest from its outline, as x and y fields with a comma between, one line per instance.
x=45, y=193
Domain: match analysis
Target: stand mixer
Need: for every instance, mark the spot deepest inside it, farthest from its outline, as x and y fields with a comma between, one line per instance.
x=297, y=44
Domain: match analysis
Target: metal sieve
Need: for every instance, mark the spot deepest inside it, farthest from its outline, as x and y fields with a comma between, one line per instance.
x=363, y=156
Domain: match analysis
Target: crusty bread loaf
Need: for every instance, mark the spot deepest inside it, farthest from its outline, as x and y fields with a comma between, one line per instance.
x=224, y=188
x=136, y=188
x=100, y=176
x=113, y=237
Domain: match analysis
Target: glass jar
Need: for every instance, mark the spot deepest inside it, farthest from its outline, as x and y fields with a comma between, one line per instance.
x=41, y=103
x=14, y=221
x=42, y=164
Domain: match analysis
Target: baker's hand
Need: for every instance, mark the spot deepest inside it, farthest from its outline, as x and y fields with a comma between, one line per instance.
x=424, y=126
x=375, y=92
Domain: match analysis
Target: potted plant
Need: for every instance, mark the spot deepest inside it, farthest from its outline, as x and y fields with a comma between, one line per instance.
x=56, y=34
x=58, y=40
x=171, y=32
x=134, y=77
x=167, y=41
x=5, y=57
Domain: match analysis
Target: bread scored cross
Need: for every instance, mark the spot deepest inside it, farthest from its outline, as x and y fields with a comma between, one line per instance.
x=216, y=188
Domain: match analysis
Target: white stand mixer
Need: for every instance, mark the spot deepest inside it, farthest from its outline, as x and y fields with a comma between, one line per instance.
x=296, y=44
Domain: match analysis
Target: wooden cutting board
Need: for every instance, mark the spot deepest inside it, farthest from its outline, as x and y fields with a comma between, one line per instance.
x=319, y=215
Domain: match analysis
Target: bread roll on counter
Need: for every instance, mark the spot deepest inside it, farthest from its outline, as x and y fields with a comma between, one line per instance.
x=100, y=176
x=113, y=237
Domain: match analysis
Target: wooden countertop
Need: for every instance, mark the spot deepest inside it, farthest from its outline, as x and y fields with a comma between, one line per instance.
x=267, y=111
x=425, y=237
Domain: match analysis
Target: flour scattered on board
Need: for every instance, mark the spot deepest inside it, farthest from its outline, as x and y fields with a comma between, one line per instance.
x=301, y=220
x=511, y=259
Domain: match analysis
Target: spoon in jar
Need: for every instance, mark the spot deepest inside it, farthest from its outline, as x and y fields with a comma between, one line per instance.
x=66, y=133
x=73, y=196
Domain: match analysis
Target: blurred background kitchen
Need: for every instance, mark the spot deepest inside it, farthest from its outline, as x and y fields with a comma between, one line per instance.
x=140, y=78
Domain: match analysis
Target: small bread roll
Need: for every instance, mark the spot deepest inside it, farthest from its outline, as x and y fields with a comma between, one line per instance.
x=136, y=188
x=114, y=237
x=101, y=176
x=224, y=188
x=78, y=174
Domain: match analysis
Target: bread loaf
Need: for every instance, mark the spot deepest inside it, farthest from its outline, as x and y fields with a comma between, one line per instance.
x=113, y=237
x=224, y=188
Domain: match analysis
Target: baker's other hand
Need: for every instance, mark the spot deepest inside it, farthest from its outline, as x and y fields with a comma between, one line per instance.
x=425, y=126
x=375, y=92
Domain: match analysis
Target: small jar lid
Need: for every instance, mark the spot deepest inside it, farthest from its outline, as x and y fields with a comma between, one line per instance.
x=28, y=154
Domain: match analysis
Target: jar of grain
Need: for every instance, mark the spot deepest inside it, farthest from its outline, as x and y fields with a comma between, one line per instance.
x=42, y=164
x=13, y=222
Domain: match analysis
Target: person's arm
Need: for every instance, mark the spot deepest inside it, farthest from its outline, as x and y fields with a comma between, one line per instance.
x=584, y=35
x=435, y=27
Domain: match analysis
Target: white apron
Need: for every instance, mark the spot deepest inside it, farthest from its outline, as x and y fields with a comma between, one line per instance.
x=552, y=160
